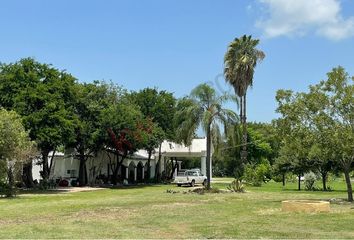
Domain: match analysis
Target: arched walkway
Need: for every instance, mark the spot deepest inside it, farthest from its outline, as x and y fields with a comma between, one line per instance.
x=132, y=172
x=140, y=172
x=124, y=170
x=146, y=173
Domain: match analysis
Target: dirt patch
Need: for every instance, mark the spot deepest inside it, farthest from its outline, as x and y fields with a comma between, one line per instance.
x=198, y=190
x=269, y=211
x=173, y=205
x=109, y=213
x=77, y=189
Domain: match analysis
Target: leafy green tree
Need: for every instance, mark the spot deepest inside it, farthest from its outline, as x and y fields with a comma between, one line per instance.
x=125, y=131
x=319, y=121
x=155, y=136
x=258, y=148
x=317, y=127
x=263, y=145
x=205, y=108
x=338, y=89
x=90, y=102
x=15, y=145
x=43, y=96
x=257, y=174
x=240, y=62
x=160, y=107
x=297, y=137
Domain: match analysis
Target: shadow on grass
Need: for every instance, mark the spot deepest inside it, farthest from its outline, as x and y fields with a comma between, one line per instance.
x=318, y=191
x=85, y=189
x=137, y=186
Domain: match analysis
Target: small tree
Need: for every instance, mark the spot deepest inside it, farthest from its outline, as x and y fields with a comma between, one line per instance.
x=155, y=136
x=124, y=131
x=15, y=146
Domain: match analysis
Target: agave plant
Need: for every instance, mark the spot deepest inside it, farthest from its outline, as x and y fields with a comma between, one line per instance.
x=236, y=186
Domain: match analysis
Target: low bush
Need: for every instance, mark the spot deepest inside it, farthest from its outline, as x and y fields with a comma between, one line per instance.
x=309, y=181
x=256, y=174
x=7, y=191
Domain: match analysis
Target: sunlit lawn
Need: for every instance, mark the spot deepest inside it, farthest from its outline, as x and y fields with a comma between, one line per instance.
x=150, y=212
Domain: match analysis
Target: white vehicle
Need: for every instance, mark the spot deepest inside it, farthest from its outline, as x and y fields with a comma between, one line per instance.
x=190, y=177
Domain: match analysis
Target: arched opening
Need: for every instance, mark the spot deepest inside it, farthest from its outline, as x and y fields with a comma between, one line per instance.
x=131, y=171
x=124, y=170
x=140, y=172
x=146, y=172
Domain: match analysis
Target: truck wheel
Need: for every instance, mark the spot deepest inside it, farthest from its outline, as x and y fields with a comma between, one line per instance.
x=178, y=185
x=204, y=182
x=192, y=183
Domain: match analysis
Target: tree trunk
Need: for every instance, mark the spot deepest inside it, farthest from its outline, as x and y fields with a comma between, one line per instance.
x=85, y=171
x=27, y=176
x=283, y=179
x=324, y=180
x=10, y=176
x=208, y=156
x=241, y=112
x=299, y=182
x=82, y=169
x=45, y=172
x=51, y=162
x=349, y=184
x=116, y=169
x=157, y=172
x=147, y=178
x=174, y=166
x=244, y=130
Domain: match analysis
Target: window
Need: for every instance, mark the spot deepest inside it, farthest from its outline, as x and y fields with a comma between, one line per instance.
x=192, y=173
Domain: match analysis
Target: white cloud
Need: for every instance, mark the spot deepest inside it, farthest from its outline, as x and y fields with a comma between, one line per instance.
x=299, y=17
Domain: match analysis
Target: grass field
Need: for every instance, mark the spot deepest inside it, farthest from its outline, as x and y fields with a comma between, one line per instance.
x=150, y=212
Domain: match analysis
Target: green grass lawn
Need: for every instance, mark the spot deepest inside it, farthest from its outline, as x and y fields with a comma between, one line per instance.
x=150, y=212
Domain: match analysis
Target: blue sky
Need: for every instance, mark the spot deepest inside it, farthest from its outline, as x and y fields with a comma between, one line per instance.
x=176, y=44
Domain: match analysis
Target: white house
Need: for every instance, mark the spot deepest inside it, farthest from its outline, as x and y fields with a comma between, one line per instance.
x=134, y=168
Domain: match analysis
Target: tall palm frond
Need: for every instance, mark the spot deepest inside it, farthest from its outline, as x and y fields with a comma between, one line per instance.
x=240, y=61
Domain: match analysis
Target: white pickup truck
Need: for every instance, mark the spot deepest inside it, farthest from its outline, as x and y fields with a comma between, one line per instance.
x=190, y=177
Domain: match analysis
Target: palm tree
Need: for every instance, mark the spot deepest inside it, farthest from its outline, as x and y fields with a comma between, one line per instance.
x=240, y=61
x=204, y=108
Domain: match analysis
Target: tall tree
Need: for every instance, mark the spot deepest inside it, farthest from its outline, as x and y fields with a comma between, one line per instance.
x=42, y=95
x=160, y=107
x=338, y=89
x=125, y=131
x=90, y=102
x=155, y=136
x=319, y=125
x=240, y=62
x=204, y=107
x=297, y=137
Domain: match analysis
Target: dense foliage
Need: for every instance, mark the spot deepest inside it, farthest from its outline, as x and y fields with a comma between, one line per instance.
x=317, y=128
